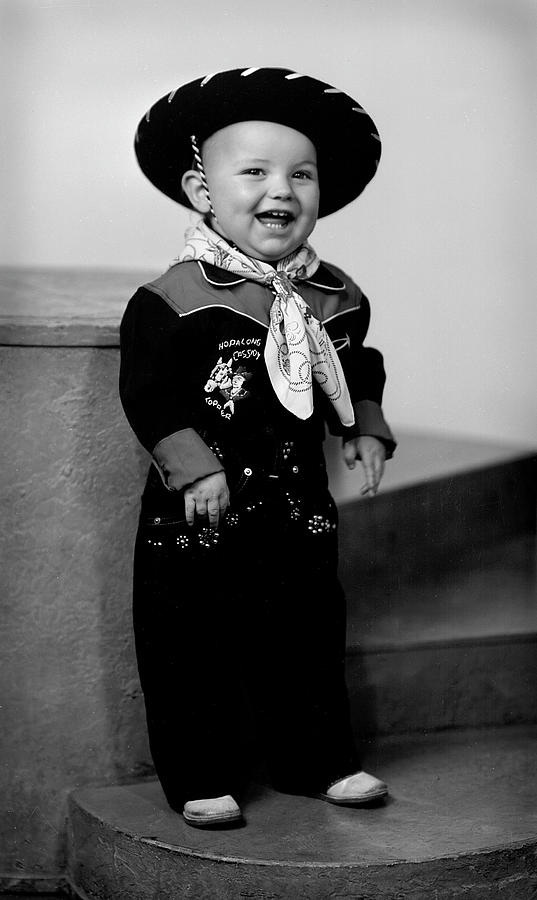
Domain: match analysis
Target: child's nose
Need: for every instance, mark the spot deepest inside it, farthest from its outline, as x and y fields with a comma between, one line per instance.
x=280, y=189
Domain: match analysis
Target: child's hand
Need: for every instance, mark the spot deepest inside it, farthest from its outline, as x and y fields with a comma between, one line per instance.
x=207, y=497
x=372, y=454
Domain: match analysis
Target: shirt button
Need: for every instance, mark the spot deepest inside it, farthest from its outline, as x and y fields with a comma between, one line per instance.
x=247, y=472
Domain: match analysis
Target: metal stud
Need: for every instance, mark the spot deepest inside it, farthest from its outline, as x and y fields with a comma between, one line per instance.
x=295, y=507
x=208, y=538
x=320, y=525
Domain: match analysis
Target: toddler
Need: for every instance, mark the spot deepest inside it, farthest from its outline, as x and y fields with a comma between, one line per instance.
x=233, y=363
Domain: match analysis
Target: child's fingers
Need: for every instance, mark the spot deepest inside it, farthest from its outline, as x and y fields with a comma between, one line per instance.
x=369, y=470
x=349, y=454
x=216, y=508
x=372, y=478
x=208, y=499
x=190, y=508
x=213, y=513
x=224, y=503
x=379, y=461
x=373, y=468
x=370, y=487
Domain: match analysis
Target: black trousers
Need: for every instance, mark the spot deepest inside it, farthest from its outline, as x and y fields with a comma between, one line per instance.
x=254, y=608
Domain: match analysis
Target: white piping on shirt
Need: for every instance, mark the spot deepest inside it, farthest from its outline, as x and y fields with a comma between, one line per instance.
x=222, y=306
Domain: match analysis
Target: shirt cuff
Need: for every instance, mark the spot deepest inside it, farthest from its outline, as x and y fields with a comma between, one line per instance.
x=186, y=457
x=370, y=420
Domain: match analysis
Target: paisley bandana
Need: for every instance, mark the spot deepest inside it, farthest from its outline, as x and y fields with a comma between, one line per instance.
x=297, y=346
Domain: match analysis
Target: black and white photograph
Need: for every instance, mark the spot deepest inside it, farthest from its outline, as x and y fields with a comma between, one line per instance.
x=268, y=330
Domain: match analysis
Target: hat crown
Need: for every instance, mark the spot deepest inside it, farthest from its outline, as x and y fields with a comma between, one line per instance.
x=330, y=118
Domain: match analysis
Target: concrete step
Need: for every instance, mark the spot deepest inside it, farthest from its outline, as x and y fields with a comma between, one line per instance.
x=461, y=821
x=453, y=647
x=428, y=687
x=441, y=585
x=418, y=527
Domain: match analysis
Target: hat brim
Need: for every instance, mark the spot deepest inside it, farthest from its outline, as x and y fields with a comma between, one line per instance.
x=344, y=135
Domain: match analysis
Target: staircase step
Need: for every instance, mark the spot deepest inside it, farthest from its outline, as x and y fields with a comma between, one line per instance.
x=441, y=585
x=437, y=685
x=481, y=592
x=461, y=820
x=416, y=528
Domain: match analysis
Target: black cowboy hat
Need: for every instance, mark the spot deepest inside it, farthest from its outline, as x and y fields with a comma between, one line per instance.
x=345, y=137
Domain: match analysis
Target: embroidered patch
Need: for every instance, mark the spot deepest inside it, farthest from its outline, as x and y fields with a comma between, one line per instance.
x=229, y=384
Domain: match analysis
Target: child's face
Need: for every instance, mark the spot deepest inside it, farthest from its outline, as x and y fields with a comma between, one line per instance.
x=264, y=187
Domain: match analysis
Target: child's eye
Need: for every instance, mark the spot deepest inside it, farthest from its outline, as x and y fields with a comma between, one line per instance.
x=253, y=171
x=303, y=175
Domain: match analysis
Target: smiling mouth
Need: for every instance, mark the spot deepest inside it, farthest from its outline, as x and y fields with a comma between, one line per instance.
x=275, y=219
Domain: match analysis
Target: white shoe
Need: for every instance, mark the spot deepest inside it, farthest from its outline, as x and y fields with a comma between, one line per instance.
x=354, y=790
x=214, y=811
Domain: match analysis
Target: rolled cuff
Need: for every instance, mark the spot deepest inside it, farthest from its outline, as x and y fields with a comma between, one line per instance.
x=370, y=420
x=185, y=458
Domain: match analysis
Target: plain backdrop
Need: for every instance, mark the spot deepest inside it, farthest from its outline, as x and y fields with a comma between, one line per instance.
x=443, y=240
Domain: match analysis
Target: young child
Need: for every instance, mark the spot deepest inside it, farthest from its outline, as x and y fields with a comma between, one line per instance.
x=232, y=363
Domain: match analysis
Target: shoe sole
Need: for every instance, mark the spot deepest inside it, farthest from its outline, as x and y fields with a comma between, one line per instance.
x=354, y=801
x=210, y=821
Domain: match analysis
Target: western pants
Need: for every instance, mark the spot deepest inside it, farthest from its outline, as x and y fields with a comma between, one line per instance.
x=254, y=610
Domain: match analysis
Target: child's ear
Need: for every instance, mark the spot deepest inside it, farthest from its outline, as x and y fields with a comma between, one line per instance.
x=195, y=191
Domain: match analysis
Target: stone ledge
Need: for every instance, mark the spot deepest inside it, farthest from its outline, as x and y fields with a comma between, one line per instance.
x=460, y=822
x=35, y=332
x=64, y=307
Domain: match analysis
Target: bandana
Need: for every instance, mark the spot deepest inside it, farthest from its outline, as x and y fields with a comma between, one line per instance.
x=297, y=348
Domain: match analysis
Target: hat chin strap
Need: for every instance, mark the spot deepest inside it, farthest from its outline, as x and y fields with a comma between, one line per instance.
x=201, y=171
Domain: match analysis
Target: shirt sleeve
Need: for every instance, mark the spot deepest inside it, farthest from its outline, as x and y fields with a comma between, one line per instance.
x=364, y=372
x=158, y=360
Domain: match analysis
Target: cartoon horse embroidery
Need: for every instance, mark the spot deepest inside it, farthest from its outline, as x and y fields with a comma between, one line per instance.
x=220, y=376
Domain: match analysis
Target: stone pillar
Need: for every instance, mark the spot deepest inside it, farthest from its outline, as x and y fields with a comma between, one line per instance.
x=72, y=712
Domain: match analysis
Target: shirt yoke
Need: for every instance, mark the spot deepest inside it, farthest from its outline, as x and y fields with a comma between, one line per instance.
x=191, y=287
